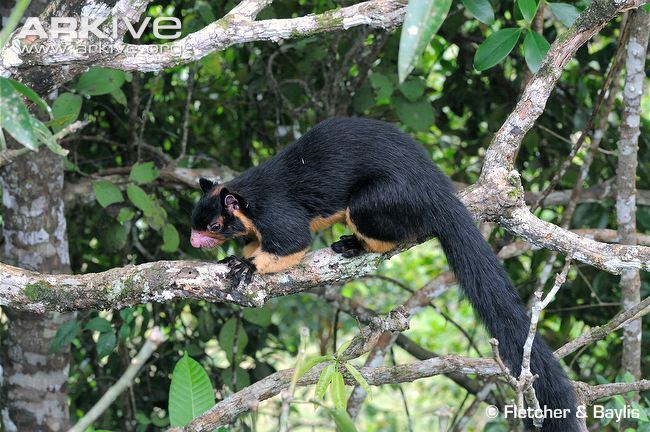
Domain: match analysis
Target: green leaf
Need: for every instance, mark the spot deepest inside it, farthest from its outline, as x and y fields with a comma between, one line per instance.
x=125, y=214
x=65, y=110
x=107, y=193
x=337, y=390
x=342, y=420
x=495, y=48
x=143, y=173
x=114, y=236
x=65, y=335
x=119, y=96
x=258, y=316
x=14, y=117
x=227, y=337
x=481, y=9
x=422, y=21
x=171, y=239
x=31, y=95
x=646, y=7
x=190, y=394
x=359, y=378
x=413, y=88
x=564, y=12
x=324, y=380
x=99, y=81
x=99, y=324
x=418, y=115
x=528, y=9
x=106, y=343
x=382, y=85
x=343, y=347
x=535, y=48
x=309, y=363
x=139, y=198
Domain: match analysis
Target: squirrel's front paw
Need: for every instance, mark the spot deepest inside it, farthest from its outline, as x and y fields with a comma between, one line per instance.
x=240, y=270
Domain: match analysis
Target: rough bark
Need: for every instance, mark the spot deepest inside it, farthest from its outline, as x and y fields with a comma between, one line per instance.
x=35, y=238
x=628, y=147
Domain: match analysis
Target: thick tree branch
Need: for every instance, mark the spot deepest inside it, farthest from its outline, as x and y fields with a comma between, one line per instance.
x=234, y=28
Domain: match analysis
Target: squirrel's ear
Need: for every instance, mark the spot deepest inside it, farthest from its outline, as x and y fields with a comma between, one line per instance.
x=206, y=184
x=232, y=201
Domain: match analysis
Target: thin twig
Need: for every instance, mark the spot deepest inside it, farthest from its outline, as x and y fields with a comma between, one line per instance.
x=155, y=338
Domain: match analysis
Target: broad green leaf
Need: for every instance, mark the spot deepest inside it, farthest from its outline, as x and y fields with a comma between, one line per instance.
x=258, y=316
x=106, y=343
x=99, y=81
x=418, y=115
x=528, y=8
x=14, y=117
x=31, y=95
x=119, y=96
x=646, y=7
x=564, y=12
x=382, y=85
x=143, y=173
x=495, y=48
x=139, y=198
x=171, y=240
x=107, y=193
x=413, y=88
x=337, y=390
x=535, y=48
x=324, y=380
x=156, y=215
x=65, y=110
x=227, y=338
x=309, y=363
x=190, y=393
x=342, y=420
x=65, y=335
x=422, y=21
x=125, y=214
x=359, y=378
x=99, y=324
x=481, y=9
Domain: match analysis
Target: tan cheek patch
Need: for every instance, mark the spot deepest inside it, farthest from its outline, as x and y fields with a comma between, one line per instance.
x=269, y=263
x=251, y=231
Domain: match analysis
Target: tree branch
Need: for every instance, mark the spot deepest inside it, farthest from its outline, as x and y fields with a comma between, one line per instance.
x=234, y=28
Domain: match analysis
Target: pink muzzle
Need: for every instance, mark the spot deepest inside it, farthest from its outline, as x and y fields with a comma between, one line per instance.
x=199, y=240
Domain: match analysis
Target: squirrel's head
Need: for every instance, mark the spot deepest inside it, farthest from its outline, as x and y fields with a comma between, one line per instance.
x=218, y=216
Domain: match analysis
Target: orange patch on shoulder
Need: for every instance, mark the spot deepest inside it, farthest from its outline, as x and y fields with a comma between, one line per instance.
x=251, y=248
x=322, y=222
x=269, y=263
x=251, y=231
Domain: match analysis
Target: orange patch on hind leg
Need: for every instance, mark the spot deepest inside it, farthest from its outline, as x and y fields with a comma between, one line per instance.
x=369, y=244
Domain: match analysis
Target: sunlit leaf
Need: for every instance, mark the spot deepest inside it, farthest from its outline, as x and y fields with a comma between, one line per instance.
x=359, y=378
x=107, y=193
x=99, y=81
x=171, y=240
x=324, y=380
x=143, y=173
x=422, y=21
x=528, y=8
x=190, y=394
x=337, y=390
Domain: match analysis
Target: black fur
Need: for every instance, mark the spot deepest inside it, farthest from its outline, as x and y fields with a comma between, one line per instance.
x=394, y=193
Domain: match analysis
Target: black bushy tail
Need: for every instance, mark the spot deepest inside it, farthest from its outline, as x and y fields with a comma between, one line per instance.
x=486, y=284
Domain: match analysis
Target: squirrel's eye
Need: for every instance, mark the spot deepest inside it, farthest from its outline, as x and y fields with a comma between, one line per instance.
x=215, y=227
